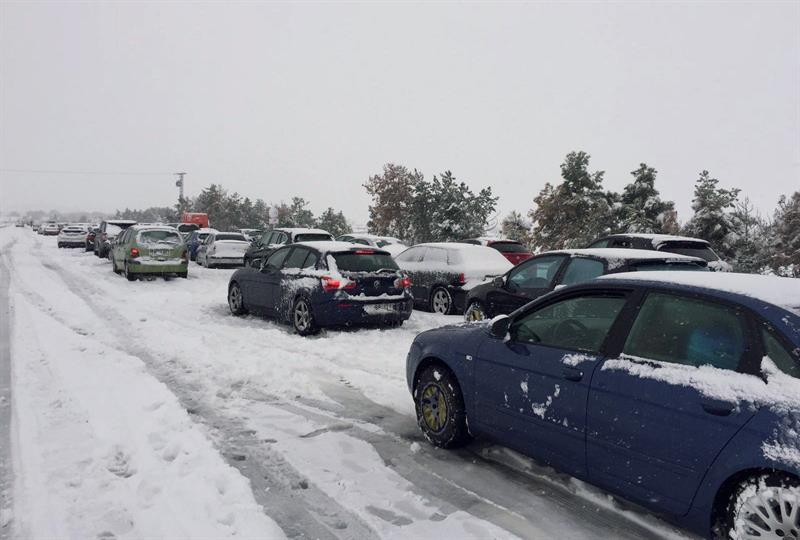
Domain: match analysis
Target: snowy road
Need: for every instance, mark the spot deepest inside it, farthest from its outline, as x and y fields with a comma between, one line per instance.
x=322, y=427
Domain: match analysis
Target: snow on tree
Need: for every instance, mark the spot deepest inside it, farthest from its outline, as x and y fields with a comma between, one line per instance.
x=574, y=212
x=641, y=209
x=786, y=236
x=749, y=238
x=712, y=219
x=333, y=222
x=392, y=196
x=515, y=227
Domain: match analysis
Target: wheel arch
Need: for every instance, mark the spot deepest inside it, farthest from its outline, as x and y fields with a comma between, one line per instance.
x=432, y=360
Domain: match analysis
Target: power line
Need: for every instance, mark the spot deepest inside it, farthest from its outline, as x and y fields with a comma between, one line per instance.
x=106, y=173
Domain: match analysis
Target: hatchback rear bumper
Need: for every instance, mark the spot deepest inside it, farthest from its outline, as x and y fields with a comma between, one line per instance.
x=348, y=313
x=170, y=266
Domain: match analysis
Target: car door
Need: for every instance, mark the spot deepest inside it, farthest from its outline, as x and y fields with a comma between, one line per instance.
x=658, y=415
x=531, y=389
x=266, y=280
x=525, y=282
x=289, y=275
x=410, y=262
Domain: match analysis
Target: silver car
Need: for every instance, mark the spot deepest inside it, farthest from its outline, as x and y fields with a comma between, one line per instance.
x=222, y=249
x=73, y=236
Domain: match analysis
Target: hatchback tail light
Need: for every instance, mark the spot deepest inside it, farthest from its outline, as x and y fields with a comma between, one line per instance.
x=332, y=284
x=134, y=252
x=402, y=283
x=184, y=255
x=461, y=279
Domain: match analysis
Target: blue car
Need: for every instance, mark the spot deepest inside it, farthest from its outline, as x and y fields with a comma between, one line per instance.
x=195, y=239
x=679, y=391
x=326, y=283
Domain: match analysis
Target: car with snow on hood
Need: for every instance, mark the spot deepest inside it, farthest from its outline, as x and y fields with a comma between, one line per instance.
x=150, y=250
x=316, y=284
x=222, y=249
x=443, y=272
x=554, y=269
x=682, y=245
x=679, y=391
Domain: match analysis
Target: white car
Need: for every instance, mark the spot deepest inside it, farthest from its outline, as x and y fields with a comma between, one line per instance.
x=51, y=229
x=387, y=243
x=73, y=236
x=222, y=249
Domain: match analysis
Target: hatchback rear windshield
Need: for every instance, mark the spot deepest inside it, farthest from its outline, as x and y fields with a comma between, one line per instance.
x=160, y=237
x=231, y=236
x=312, y=237
x=508, y=247
x=363, y=262
x=112, y=230
x=692, y=249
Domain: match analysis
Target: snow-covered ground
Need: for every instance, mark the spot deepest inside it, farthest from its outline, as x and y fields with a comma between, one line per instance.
x=145, y=409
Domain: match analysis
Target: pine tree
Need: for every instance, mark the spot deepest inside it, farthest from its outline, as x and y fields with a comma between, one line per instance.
x=641, y=209
x=574, y=212
x=712, y=220
x=749, y=238
x=392, y=194
x=333, y=222
x=516, y=227
x=299, y=214
x=786, y=230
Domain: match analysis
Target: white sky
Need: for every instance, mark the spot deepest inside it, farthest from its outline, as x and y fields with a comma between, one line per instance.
x=275, y=100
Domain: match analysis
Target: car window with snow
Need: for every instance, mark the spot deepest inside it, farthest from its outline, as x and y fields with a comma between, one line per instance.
x=159, y=237
x=231, y=236
x=509, y=247
x=579, y=323
x=112, y=230
x=295, y=260
x=581, y=269
x=276, y=259
x=437, y=256
x=687, y=331
x=364, y=262
x=776, y=352
x=413, y=254
x=312, y=237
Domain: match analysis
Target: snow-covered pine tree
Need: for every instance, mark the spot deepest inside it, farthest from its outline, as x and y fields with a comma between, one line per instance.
x=392, y=194
x=334, y=222
x=641, y=208
x=712, y=218
x=516, y=227
x=786, y=234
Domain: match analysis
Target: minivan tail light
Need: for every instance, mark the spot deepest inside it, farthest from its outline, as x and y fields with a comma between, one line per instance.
x=134, y=252
x=402, y=283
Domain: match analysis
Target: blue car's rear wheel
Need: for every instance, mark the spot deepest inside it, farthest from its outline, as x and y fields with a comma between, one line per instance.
x=303, y=317
x=236, y=299
x=764, y=508
x=440, y=408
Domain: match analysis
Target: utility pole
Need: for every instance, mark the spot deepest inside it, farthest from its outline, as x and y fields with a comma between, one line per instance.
x=179, y=183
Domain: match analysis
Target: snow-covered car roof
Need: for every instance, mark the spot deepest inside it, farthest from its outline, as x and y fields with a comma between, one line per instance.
x=368, y=236
x=484, y=240
x=145, y=227
x=779, y=291
x=626, y=254
x=121, y=221
x=205, y=230
x=455, y=246
x=658, y=239
x=332, y=245
x=301, y=230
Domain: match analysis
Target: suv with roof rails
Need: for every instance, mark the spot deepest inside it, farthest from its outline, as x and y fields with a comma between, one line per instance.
x=684, y=245
x=276, y=238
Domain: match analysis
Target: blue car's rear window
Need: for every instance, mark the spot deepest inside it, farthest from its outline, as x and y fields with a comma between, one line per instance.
x=366, y=261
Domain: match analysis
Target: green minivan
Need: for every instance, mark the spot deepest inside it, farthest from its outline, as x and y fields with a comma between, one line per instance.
x=150, y=250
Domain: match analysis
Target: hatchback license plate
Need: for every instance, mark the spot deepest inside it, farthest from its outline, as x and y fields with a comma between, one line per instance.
x=374, y=309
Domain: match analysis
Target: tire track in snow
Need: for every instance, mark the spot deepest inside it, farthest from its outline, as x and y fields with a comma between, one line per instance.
x=6, y=468
x=302, y=512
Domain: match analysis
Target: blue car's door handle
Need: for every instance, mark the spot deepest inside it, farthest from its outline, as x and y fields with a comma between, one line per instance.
x=572, y=374
x=717, y=407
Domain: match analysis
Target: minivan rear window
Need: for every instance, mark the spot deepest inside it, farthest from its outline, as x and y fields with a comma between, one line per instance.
x=364, y=262
x=160, y=237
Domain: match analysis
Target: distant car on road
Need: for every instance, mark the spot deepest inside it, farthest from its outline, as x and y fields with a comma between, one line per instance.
x=272, y=240
x=512, y=250
x=149, y=250
x=443, y=272
x=51, y=228
x=316, y=284
x=108, y=231
x=387, y=243
x=684, y=245
x=554, y=269
x=72, y=236
x=196, y=238
x=679, y=391
x=222, y=249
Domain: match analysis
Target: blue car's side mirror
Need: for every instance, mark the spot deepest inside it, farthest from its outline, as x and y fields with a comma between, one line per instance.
x=499, y=327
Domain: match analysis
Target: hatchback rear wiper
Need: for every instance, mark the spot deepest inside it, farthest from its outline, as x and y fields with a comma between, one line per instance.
x=382, y=270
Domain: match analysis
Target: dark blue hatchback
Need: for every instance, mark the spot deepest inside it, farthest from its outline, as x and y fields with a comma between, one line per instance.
x=316, y=284
x=678, y=391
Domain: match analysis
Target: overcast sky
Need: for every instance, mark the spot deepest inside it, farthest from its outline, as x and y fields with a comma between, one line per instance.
x=275, y=100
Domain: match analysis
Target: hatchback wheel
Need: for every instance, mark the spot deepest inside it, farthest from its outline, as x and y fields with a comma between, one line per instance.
x=236, y=299
x=441, y=301
x=303, y=317
x=130, y=276
x=475, y=312
x=440, y=408
x=764, y=508
x=114, y=266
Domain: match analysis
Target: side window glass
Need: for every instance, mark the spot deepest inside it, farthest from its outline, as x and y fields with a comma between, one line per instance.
x=411, y=255
x=437, y=256
x=687, y=331
x=621, y=243
x=311, y=260
x=579, y=323
x=295, y=260
x=276, y=259
x=536, y=273
x=601, y=244
x=283, y=238
x=580, y=269
x=779, y=355
x=360, y=241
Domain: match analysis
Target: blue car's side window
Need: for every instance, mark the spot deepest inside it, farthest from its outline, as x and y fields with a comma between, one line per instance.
x=688, y=331
x=579, y=323
x=776, y=352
